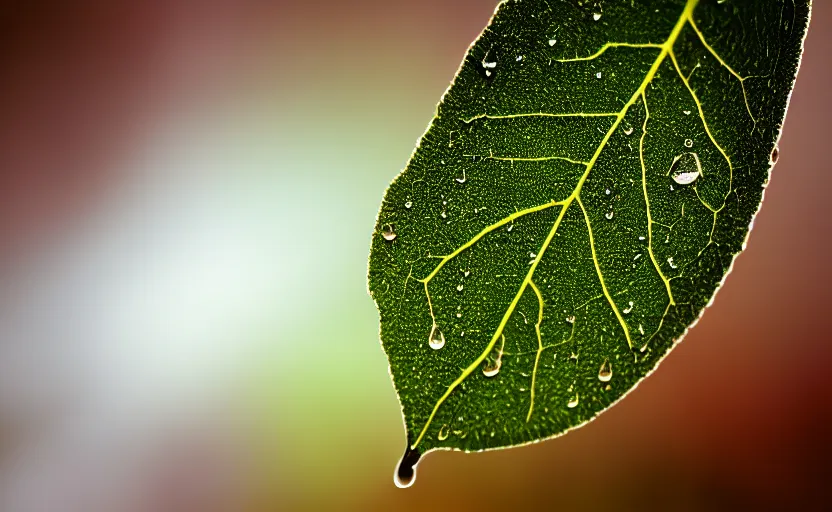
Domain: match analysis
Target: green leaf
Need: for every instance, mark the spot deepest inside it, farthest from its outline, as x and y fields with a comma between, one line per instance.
x=577, y=201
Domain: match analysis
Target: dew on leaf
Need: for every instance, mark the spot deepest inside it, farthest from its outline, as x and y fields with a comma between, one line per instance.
x=443, y=432
x=436, y=339
x=609, y=215
x=686, y=168
x=552, y=42
x=573, y=402
x=628, y=309
x=688, y=143
x=596, y=16
x=408, y=205
x=605, y=373
x=388, y=232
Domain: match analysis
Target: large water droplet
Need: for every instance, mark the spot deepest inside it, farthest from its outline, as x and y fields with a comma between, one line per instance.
x=605, y=373
x=388, y=232
x=686, y=168
x=437, y=339
x=574, y=402
x=405, y=474
x=492, y=369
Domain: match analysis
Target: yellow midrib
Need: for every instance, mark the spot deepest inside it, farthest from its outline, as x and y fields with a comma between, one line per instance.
x=666, y=48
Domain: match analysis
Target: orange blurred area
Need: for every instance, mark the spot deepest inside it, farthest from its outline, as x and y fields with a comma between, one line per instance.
x=187, y=193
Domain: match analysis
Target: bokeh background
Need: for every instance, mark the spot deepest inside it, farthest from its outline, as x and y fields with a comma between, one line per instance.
x=187, y=195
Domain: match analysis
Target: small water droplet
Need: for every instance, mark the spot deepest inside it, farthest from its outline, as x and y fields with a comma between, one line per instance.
x=629, y=131
x=552, y=42
x=570, y=319
x=688, y=143
x=598, y=75
x=459, y=287
x=510, y=227
x=609, y=215
x=628, y=309
x=775, y=154
x=532, y=255
x=487, y=73
x=686, y=169
x=519, y=58
x=461, y=179
x=686, y=112
x=488, y=65
x=596, y=16
x=408, y=205
x=605, y=373
x=444, y=214
x=641, y=329
x=641, y=238
x=405, y=474
x=670, y=262
x=388, y=232
x=608, y=191
x=459, y=315
x=443, y=433
x=436, y=339
x=574, y=402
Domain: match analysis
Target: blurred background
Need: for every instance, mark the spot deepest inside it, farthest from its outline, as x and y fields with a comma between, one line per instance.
x=187, y=195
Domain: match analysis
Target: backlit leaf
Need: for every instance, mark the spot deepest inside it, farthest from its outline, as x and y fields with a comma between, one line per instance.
x=574, y=206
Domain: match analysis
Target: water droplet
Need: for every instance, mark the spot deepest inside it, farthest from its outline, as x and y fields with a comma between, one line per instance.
x=436, y=339
x=609, y=215
x=608, y=191
x=670, y=262
x=596, y=16
x=488, y=65
x=688, y=143
x=459, y=315
x=408, y=205
x=641, y=238
x=629, y=308
x=444, y=214
x=405, y=474
x=519, y=58
x=388, y=232
x=574, y=402
x=605, y=373
x=552, y=42
x=510, y=227
x=641, y=329
x=466, y=273
x=598, y=75
x=686, y=168
x=461, y=179
x=686, y=112
x=532, y=255
x=570, y=319
x=443, y=433
x=459, y=287
x=487, y=73
x=629, y=131
x=775, y=154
